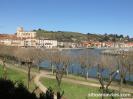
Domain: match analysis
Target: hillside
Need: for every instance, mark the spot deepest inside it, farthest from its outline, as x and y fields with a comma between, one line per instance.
x=61, y=35
x=66, y=36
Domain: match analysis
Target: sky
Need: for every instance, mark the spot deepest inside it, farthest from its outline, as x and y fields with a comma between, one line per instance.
x=85, y=16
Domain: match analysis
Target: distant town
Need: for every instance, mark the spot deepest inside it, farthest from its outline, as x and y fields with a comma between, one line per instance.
x=24, y=38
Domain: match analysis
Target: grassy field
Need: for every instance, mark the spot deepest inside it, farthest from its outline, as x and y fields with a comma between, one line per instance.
x=72, y=91
x=75, y=91
x=15, y=75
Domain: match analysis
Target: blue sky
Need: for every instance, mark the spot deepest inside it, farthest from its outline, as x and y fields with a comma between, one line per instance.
x=93, y=16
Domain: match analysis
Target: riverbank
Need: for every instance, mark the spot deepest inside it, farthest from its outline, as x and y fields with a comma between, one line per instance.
x=78, y=82
x=77, y=79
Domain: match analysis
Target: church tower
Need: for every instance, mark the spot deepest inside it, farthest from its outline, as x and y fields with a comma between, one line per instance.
x=20, y=29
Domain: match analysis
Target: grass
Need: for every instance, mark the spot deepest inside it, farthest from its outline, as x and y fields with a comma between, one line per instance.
x=72, y=91
x=96, y=81
x=15, y=75
x=76, y=91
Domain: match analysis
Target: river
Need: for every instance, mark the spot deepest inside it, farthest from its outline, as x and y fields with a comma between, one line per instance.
x=76, y=69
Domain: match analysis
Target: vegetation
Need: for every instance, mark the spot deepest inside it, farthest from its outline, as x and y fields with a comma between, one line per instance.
x=5, y=55
x=66, y=36
x=11, y=90
x=125, y=65
x=30, y=57
x=61, y=35
x=61, y=63
x=18, y=76
x=71, y=91
x=102, y=62
x=113, y=73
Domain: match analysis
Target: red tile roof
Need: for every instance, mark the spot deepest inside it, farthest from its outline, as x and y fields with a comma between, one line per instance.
x=9, y=36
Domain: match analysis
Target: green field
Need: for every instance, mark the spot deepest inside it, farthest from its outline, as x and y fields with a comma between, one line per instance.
x=15, y=75
x=72, y=91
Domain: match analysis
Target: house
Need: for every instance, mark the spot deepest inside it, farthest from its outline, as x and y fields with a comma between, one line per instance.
x=130, y=45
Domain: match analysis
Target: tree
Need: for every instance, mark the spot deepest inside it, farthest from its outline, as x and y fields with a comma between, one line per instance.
x=60, y=70
x=127, y=38
x=124, y=63
x=104, y=63
x=130, y=64
x=39, y=29
x=51, y=59
x=120, y=60
x=106, y=37
x=67, y=61
x=86, y=61
x=6, y=53
x=83, y=63
x=121, y=36
x=28, y=57
x=40, y=56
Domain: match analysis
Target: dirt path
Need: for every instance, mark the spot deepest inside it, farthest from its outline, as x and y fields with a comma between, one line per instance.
x=40, y=85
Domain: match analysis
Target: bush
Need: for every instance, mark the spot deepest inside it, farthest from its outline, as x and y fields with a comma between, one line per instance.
x=11, y=90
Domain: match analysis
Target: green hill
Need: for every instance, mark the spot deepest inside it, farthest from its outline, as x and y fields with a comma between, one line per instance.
x=66, y=36
x=61, y=35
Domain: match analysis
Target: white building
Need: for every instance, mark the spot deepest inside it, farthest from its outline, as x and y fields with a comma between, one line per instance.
x=6, y=42
x=47, y=43
x=17, y=42
x=60, y=44
x=67, y=44
x=22, y=34
x=26, y=39
x=30, y=43
x=12, y=42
